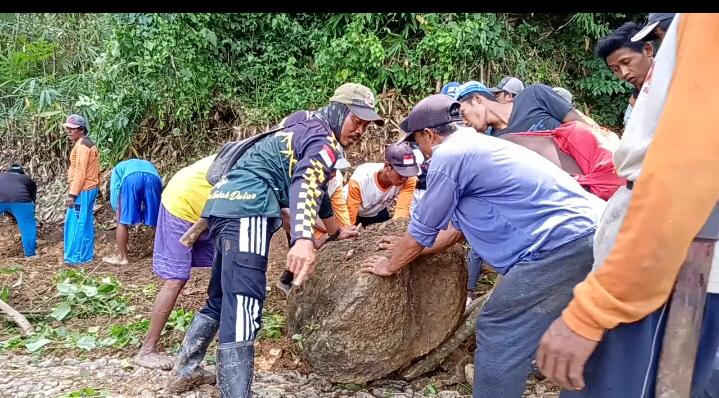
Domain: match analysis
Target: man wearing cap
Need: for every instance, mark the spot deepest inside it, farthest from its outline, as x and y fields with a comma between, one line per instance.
x=374, y=186
x=18, y=193
x=538, y=108
x=135, y=189
x=83, y=179
x=530, y=220
x=507, y=88
x=655, y=28
x=284, y=169
x=449, y=88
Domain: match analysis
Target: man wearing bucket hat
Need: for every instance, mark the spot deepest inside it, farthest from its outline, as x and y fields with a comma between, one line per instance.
x=18, y=194
x=374, y=186
x=530, y=220
x=83, y=178
x=286, y=168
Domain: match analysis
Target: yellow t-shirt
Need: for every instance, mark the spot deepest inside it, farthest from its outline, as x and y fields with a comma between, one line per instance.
x=186, y=193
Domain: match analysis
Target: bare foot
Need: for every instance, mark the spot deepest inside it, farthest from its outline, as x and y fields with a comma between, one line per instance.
x=114, y=260
x=154, y=360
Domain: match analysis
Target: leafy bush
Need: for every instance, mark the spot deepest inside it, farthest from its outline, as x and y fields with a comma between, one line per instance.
x=83, y=296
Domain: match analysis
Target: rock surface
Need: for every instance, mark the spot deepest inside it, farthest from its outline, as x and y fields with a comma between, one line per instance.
x=356, y=327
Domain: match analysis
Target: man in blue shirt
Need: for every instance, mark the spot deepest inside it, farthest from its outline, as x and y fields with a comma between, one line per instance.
x=529, y=219
x=18, y=194
x=135, y=190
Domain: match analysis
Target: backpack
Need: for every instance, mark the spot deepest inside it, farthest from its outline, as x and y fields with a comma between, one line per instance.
x=231, y=152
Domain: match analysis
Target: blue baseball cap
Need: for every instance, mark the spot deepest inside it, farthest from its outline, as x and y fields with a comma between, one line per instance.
x=473, y=86
x=450, y=88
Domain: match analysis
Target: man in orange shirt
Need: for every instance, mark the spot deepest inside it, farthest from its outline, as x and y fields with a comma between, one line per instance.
x=608, y=339
x=374, y=186
x=83, y=178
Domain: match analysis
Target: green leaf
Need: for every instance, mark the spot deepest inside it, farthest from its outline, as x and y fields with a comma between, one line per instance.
x=61, y=311
x=36, y=345
x=86, y=342
x=4, y=294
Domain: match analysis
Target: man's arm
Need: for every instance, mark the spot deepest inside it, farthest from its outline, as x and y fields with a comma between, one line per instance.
x=354, y=200
x=404, y=199
x=115, y=179
x=339, y=207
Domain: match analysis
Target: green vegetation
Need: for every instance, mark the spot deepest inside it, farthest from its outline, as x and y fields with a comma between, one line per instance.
x=80, y=296
x=181, y=80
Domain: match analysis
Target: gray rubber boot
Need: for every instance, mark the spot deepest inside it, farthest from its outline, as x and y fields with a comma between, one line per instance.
x=187, y=373
x=235, y=368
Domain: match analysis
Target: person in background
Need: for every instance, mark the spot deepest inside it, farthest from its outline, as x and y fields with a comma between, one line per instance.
x=374, y=186
x=537, y=108
x=507, y=89
x=83, y=179
x=180, y=207
x=608, y=340
x=135, y=189
x=628, y=60
x=530, y=220
x=18, y=194
x=655, y=28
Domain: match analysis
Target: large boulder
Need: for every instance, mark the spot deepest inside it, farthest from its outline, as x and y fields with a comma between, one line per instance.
x=356, y=327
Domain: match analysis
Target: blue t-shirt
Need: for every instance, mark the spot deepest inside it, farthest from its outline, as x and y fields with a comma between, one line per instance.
x=510, y=202
x=537, y=108
x=124, y=169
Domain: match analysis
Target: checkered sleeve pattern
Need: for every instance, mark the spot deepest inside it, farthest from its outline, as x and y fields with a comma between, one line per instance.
x=308, y=185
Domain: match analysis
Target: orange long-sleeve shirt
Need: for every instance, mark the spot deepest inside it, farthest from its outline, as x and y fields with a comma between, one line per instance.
x=672, y=199
x=84, y=171
x=376, y=196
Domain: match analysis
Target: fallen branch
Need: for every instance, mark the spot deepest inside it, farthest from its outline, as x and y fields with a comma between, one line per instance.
x=439, y=354
x=18, y=318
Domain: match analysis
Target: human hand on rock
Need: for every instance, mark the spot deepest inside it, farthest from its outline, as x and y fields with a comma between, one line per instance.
x=301, y=260
x=377, y=265
x=348, y=232
x=387, y=242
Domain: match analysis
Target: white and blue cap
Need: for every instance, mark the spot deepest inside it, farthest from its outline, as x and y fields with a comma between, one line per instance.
x=473, y=86
x=509, y=84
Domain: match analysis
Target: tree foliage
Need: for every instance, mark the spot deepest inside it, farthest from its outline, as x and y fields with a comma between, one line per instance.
x=180, y=75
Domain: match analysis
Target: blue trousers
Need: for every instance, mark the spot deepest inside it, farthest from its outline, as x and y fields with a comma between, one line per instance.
x=474, y=266
x=24, y=214
x=529, y=298
x=711, y=390
x=237, y=288
x=625, y=362
x=79, y=242
x=139, y=200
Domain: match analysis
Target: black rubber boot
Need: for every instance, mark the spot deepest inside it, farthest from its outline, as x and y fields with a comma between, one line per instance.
x=187, y=373
x=235, y=367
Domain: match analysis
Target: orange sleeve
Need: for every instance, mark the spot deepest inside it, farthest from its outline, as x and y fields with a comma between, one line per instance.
x=82, y=159
x=672, y=199
x=404, y=199
x=339, y=207
x=354, y=200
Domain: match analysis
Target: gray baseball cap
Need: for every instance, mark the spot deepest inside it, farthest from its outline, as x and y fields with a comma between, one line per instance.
x=653, y=20
x=433, y=111
x=509, y=84
x=75, y=121
x=402, y=159
x=360, y=100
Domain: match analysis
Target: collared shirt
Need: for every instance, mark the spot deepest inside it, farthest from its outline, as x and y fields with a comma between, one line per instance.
x=124, y=169
x=510, y=202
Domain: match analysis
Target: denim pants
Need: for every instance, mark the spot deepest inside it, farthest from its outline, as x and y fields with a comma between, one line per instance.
x=474, y=267
x=24, y=214
x=531, y=295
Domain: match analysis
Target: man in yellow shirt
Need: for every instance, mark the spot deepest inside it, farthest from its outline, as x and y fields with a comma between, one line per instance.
x=181, y=205
x=374, y=186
